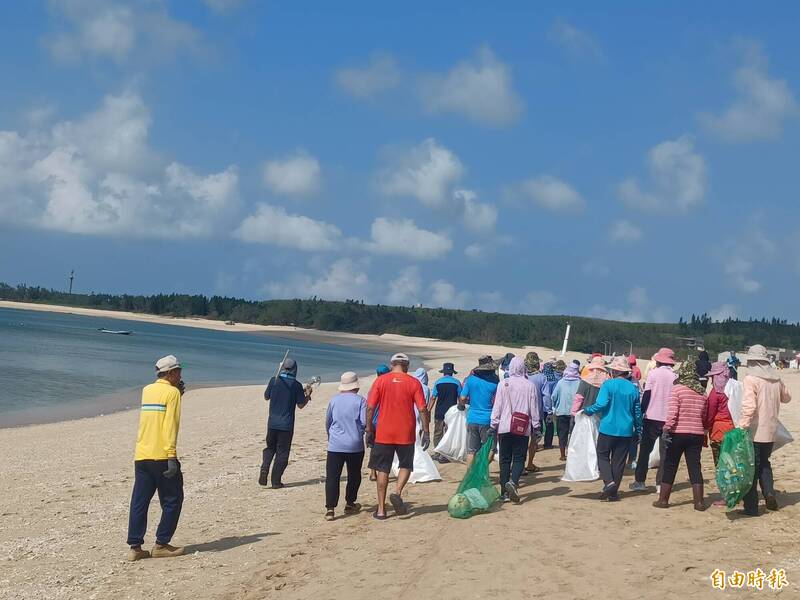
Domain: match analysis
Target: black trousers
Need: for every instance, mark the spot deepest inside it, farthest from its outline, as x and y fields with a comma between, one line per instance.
x=689, y=446
x=763, y=476
x=563, y=422
x=651, y=435
x=513, y=452
x=612, y=453
x=549, y=432
x=149, y=479
x=279, y=443
x=333, y=477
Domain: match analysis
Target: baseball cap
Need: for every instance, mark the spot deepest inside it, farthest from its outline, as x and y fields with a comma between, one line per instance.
x=167, y=363
x=399, y=357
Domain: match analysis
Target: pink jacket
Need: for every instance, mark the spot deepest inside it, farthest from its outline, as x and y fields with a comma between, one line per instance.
x=515, y=394
x=763, y=394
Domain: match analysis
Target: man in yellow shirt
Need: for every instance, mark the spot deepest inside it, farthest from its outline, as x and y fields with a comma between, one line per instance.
x=156, y=465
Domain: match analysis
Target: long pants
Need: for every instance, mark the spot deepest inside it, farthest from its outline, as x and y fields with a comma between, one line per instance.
x=149, y=479
x=715, y=448
x=612, y=452
x=763, y=476
x=549, y=432
x=563, y=425
x=651, y=434
x=634, y=448
x=333, y=476
x=439, y=430
x=279, y=443
x=690, y=446
x=513, y=451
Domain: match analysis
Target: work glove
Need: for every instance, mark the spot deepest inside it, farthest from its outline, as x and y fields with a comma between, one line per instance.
x=181, y=387
x=492, y=432
x=461, y=407
x=173, y=468
x=369, y=438
x=549, y=418
x=666, y=436
x=425, y=440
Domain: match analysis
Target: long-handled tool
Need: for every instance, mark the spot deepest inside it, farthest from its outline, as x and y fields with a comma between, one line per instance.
x=280, y=364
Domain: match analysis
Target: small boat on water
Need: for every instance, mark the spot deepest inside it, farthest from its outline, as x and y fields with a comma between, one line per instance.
x=114, y=331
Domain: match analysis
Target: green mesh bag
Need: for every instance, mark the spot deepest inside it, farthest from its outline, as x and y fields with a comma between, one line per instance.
x=476, y=493
x=737, y=466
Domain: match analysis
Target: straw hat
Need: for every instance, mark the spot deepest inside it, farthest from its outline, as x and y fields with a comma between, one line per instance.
x=757, y=353
x=348, y=382
x=597, y=363
x=620, y=364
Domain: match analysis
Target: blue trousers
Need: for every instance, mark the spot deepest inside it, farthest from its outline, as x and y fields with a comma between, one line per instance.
x=149, y=479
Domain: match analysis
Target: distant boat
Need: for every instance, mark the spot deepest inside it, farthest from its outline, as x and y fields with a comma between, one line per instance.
x=114, y=331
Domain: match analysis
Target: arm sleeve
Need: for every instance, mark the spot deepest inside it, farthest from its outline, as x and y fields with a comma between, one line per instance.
x=556, y=397
x=648, y=385
x=329, y=418
x=300, y=395
x=362, y=417
x=497, y=408
x=374, y=398
x=268, y=391
x=435, y=391
x=673, y=408
x=637, y=415
x=547, y=399
x=172, y=422
x=749, y=403
x=534, y=408
x=601, y=403
x=464, y=393
x=711, y=409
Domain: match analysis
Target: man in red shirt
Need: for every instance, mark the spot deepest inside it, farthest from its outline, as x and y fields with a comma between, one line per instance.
x=394, y=396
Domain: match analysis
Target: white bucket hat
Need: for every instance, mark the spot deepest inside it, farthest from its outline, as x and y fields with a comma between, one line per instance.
x=348, y=382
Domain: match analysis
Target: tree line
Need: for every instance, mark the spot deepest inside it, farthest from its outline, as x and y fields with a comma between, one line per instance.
x=354, y=316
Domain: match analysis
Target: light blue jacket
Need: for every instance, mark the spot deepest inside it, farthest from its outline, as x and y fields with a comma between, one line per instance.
x=619, y=408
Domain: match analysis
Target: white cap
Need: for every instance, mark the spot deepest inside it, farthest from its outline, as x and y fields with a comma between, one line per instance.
x=399, y=357
x=348, y=382
x=166, y=364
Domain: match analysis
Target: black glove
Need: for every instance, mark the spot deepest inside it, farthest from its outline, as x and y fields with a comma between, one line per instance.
x=549, y=418
x=181, y=387
x=173, y=468
x=425, y=440
x=666, y=436
x=492, y=432
x=369, y=438
x=461, y=407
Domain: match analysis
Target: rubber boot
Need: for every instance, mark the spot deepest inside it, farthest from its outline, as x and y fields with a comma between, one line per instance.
x=697, y=494
x=663, y=495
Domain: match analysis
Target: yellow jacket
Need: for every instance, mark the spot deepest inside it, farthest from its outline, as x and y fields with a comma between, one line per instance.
x=159, y=421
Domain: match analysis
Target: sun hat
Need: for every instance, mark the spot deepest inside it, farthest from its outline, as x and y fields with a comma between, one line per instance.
x=620, y=364
x=348, y=382
x=632, y=359
x=560, y=366
x=717, y=368
x=665, y=356
x=532, y=362
x=399, y=358
x=757, y=353
x=167, y=364
x=448, y=368
x=486, y=363
x=597, y=363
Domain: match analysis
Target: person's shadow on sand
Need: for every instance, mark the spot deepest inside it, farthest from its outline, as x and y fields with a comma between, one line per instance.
x=228, y=543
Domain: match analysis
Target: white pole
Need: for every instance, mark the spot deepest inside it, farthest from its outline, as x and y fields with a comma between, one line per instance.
x=566, y=340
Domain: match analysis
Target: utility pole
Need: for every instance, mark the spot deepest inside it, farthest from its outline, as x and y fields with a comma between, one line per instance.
x=71, y=279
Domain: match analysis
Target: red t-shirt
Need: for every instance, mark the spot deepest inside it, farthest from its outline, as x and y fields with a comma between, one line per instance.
x=394, y=396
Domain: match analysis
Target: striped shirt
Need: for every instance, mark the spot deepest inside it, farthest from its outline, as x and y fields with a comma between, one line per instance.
x=686, y=411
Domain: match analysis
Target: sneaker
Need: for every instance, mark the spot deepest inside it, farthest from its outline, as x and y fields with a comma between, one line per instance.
x=512, y=492
x=504, y=498
x=614, y=498
x=351, y=509
x=135, y=554
x=166, y=551
x=278, y=486
x=772, y=503
x=329, y=515
x=608, y=490
x=637, y=486
x=262, y=478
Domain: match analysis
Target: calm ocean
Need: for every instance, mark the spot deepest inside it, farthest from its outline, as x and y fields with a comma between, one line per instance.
x=59, y=366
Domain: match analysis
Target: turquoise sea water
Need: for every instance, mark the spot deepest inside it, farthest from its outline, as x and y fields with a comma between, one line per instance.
x=57, y=366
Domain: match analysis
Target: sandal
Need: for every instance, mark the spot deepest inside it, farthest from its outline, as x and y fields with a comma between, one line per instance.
x=399, y=506
x=378, y=517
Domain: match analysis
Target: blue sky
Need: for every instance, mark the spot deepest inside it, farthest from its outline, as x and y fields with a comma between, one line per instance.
x=628, y=161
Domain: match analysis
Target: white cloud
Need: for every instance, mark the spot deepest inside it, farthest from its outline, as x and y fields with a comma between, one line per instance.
x=118, y=31
x=406, y=289
x=379, y=75
x=538, y=302
x=273, y=225
x=444, y=294
x=576, y=42
x=637, y=309
x=625, y=231
x=678, y=179
x=740, y=258
x=479, y=217
x=223, y=6
x=297, y=175
x=761, y=106
x=475, y=251
x=724, y=312
x=425, y=172
x=344, y=279
x=401, y=237
x=98, y=175
x=552, y=194
x=480, y=90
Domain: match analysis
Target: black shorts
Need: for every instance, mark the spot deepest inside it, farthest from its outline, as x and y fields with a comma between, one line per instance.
x=382, y=455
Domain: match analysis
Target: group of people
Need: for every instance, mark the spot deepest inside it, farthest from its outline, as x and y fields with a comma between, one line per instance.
x=515, y=403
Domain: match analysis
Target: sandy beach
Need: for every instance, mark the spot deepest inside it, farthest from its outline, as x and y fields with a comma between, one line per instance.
x=66, y=487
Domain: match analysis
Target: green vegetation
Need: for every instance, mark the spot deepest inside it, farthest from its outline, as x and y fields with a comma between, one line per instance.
x=459, y=325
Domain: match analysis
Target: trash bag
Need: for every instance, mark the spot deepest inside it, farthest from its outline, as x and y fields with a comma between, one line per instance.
x=655, y=456
x=476, y=493
x=453, y=444
x=737, y=465
x=734, y=390
x=424, y=468
x=582, y=450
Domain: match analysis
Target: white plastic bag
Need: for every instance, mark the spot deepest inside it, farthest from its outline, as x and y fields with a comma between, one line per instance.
x=655, y=456
x=424, y=468
x=582, y=450
x=453, y=444
x=734, y=390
